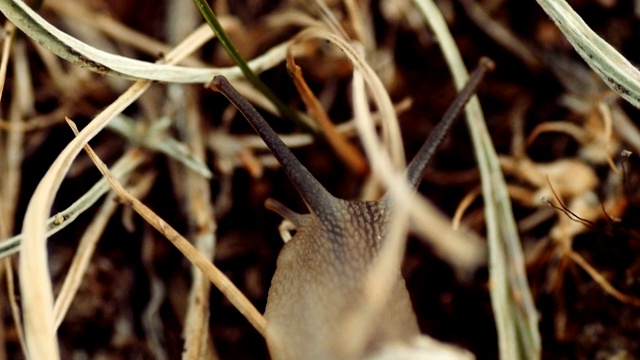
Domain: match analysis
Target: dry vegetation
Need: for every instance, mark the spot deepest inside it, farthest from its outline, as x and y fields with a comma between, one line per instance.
x=113, y=287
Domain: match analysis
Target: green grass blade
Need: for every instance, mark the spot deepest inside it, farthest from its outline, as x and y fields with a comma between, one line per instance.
x=225, y=41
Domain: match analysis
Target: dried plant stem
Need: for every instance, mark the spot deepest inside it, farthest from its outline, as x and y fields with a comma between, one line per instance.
x=195, y=257
x=391, y=129
x=605, y=113
x=347, y=129
x=344, y=149
x=463, y=206
x=571, y=129
x=9, y=30
x=195, y=190
x=515, y=313
x=598, y=278
x=35, y=281
x=84, y=55
x=13, y=154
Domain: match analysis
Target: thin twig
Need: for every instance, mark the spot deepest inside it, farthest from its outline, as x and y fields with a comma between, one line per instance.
x=598, y=278
x=344, y=149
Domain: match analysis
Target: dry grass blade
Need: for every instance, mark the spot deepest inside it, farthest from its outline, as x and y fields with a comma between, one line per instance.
x=571, y=129
x=372, y=67
x=9, y=31
x=35, y=282
x=464, y=250
x=196, y=193
x=22, y=102
x=605, y=112
x=345, y=150
x=155, y=138
x=515, y=313
x=105, y=63
x=347, y=129
x=189, y=251
x=381, y=275
x=613, y=68
x=462, y=207
x=391, y=130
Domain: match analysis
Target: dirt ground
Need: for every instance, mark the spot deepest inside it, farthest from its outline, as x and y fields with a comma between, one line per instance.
x=549, y=116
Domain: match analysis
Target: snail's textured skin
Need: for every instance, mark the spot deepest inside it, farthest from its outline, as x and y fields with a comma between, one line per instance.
x=321, y=272
x=319, y=283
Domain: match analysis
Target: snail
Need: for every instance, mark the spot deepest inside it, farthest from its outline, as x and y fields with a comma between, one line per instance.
x=321, y=270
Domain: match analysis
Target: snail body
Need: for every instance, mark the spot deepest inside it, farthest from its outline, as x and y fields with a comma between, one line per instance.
x=319, y=282
x=321, y=272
